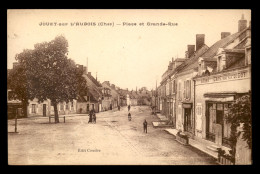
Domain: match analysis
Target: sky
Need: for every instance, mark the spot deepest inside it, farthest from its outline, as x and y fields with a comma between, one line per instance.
x=128, y=56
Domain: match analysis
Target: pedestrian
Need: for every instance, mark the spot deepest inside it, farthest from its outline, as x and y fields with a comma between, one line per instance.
x=129, y=107
x=94, y=118
x=119, y=107
x=145, y=126
x=90, y=117
x=129, y=116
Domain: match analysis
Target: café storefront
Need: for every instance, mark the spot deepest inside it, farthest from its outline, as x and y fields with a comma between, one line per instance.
x=214, y=96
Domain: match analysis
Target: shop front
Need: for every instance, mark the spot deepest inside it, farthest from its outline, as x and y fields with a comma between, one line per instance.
x=217, y=128
x=187, y=113
x=214, y=96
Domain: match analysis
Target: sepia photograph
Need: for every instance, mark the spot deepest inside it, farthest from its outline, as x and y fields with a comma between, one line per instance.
x=129, y=87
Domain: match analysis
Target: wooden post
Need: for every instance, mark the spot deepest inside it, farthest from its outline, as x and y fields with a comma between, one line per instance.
x=49, y=119
x=15, y=129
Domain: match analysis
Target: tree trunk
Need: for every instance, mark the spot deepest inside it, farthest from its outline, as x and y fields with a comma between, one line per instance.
x=56, y=116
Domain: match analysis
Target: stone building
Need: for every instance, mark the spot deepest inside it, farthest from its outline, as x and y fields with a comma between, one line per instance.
x=224, y=74
x=92, y=99
x=110, y=97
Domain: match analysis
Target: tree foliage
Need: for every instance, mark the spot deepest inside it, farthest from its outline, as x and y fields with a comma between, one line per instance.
x=239, y=115
x=49, y=74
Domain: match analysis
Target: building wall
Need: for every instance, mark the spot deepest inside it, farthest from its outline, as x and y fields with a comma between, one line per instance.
x=38, y=107
x=106, y=103
x=180, y=100
x=65, y=109
x=82, y=107
x=216, y=84
x=50, y=109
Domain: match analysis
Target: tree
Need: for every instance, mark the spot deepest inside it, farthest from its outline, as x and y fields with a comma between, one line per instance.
x=239, y=115
x=50, y=74
x=17, y=81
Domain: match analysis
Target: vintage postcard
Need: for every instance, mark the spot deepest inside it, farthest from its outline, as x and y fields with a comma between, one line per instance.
x=129, y=87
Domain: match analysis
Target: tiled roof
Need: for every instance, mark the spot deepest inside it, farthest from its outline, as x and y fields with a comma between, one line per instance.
x=239, y=63
x=189, y=64
x=220, y=44
x=94, y=80
x=81, y=99
x=210, y=52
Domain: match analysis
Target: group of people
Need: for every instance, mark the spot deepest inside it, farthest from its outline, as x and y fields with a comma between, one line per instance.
x=129, y=119
x=92, y=116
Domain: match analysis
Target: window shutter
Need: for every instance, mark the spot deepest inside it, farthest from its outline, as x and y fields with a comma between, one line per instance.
x=185, y=90
x=189, y=89
x=180, y=94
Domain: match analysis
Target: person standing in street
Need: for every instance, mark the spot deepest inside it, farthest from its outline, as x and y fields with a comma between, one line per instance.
x=145, y=126
x=119, y=107
x=90, y=116
x=94, y=117
x=129, y=116
x=129, y=107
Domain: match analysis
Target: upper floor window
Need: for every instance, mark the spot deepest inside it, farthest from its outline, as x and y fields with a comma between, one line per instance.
x=170, y=86
x=187, y=89
x=180, y=91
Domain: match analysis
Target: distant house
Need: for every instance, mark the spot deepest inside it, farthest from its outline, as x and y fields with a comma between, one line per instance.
x=92, y=99
x=110, y=97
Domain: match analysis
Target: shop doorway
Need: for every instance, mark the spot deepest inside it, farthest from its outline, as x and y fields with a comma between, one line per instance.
x=187, y=120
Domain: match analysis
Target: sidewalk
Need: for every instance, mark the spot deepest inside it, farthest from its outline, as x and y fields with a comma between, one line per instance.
x=162, y=123
x=202, y=145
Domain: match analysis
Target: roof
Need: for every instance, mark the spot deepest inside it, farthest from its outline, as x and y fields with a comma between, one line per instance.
x=180, y=59
x=93, y=80
x=93, y=88
x=81, y=99
x=114, y=93
x=192, y=62
x=239, y=63
x=211, y=51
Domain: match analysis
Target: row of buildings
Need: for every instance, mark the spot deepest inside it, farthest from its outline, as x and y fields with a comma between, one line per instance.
x=99, y=96
x=196, y=91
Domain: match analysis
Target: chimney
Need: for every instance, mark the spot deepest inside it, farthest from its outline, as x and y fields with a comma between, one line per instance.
x=191, y=50
x=170, y=65
x=242, y=23
x=224, y=34
x=200, y=39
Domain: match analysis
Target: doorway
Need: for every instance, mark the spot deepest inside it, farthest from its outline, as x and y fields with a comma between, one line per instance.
x=187, y=120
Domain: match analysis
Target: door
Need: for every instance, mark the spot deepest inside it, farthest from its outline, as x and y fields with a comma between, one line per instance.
x=44, y=110
x=210, y=121
x=187, y=120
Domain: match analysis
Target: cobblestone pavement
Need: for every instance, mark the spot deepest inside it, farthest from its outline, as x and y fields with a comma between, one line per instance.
x=113, y=140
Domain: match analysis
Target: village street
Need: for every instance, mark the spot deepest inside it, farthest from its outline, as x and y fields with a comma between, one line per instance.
x=113, y=140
